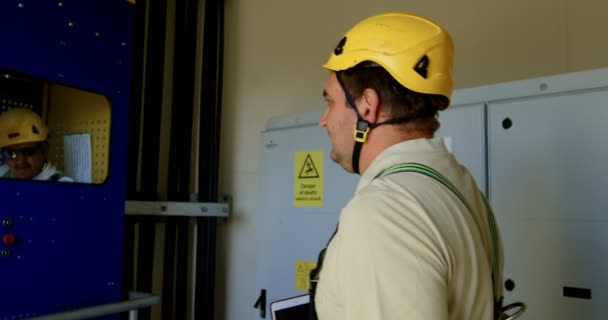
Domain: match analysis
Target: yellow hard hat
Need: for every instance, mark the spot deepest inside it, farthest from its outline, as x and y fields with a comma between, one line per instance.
x=21, y=125
x=417, y=52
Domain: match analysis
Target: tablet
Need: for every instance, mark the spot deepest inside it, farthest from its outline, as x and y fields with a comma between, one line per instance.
x=294, y=308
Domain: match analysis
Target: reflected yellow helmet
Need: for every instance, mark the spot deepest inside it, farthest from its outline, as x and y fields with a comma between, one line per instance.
x=417, y=52
x=20, y=125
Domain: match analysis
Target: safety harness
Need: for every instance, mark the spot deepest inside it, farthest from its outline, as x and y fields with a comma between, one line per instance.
x=499, y=311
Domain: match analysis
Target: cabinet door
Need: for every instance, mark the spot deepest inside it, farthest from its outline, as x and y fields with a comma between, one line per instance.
x=289, y=232
x=547, y=183
x=463, y=130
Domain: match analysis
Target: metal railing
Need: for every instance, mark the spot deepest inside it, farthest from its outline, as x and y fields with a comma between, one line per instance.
x=137, y=301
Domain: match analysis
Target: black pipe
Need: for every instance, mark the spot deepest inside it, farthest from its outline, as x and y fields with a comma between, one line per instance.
x=153, y=95
x=168, y=307
x=135, y=101
x=210, y=119
x=179, y=177
x=181, y=278
x=150, y=142
x=184, y=61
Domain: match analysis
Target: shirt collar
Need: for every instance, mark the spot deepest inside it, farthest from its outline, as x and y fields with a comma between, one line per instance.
x=416, y=150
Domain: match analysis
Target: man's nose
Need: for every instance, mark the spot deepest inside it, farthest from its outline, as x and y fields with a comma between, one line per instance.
x=323, y=120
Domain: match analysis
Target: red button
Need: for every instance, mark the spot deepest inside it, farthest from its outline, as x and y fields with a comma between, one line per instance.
x=8, y=239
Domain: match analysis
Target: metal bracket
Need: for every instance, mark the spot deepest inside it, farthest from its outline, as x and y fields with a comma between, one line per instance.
x=177, y=209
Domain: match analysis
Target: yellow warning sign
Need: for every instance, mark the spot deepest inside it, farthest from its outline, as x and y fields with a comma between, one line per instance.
x=302, y=271
x=308, y=178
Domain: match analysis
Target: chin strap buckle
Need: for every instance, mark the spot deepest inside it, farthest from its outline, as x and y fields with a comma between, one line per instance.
x=361, y=131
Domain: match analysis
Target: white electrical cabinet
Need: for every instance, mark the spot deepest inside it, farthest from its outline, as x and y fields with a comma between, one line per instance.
x=463, y=131
x=287, y=233
x=536, y=148
x=548, y=186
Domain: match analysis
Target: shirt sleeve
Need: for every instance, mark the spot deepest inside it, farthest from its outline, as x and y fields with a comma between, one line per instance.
x=392, y=261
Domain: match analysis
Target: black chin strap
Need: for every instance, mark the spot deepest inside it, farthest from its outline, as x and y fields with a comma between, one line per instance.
x=362, y=127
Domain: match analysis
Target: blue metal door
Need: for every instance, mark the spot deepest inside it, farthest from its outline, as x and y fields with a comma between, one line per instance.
x=61, y=243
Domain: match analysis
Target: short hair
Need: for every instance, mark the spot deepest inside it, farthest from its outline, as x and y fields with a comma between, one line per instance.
x=402, y=102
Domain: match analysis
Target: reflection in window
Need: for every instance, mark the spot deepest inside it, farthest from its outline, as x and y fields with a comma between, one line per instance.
x=52, y=132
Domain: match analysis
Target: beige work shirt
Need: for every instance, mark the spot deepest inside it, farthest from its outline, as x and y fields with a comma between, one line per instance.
x=407, y=247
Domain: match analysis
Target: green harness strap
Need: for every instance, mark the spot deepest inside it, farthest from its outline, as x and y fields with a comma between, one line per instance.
x=428, y=171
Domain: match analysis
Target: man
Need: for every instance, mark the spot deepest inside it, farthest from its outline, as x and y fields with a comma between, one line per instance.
x=23, y=141
x=406, y=246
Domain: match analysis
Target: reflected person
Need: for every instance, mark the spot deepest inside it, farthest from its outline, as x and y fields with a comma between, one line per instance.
x=23, y=140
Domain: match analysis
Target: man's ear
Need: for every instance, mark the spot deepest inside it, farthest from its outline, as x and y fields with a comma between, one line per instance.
x=369, y=105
